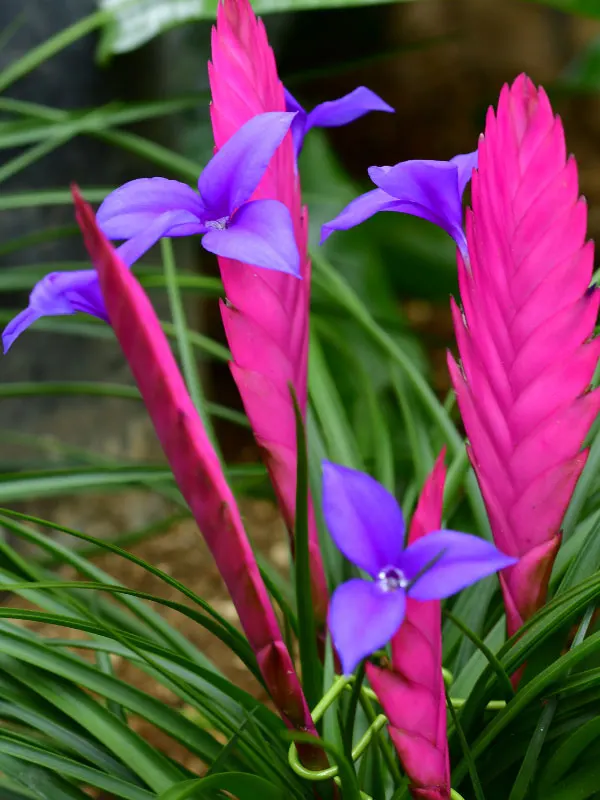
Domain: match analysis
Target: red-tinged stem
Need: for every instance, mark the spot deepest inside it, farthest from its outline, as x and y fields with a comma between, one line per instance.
x=198, y=473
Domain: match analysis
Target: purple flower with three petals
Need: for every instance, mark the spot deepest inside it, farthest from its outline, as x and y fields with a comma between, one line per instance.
x=333, y=113
x=257, y=232
x=431, y=190
x=367, y=525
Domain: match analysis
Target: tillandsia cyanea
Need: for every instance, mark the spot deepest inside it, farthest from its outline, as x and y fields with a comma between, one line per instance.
x=332, y=113
x=367, y=525
x=221, y=211
x=197, y=471
x=431, y=190
x=401, y=604
x=524, y=337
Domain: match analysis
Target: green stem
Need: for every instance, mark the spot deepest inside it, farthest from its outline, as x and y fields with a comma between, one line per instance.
x=186, y=354
x=384, y=747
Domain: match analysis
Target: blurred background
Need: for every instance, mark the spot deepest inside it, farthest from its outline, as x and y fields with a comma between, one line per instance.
x=104, y=95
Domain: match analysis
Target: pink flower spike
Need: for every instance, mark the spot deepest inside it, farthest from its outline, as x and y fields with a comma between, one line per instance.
x=196, y=469
x=266, y=314
x=525, y=337
x=411, y=690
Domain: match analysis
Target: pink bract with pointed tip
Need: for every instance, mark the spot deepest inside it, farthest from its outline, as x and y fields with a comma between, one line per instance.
x=266, y=314
x=525, y=337
x=196, y=469
x=411, y=691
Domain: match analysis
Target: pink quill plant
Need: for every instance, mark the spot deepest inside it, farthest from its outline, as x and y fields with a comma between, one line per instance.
x=411, y=689
x=198, y=472
x=524, y=337
x=266, y=313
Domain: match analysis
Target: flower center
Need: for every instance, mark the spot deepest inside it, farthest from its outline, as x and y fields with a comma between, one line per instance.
x=217, y=224
x=391, y=578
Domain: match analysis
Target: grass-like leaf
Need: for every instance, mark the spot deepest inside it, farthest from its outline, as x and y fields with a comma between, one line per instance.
x=72, y=769
x=312, y=676
x=186, y=353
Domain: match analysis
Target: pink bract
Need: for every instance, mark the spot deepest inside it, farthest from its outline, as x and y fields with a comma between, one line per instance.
x=266, y=313
x=525, y=337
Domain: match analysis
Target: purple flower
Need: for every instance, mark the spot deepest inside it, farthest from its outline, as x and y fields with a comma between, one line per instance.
x=333, y=113
x=367, y=525
x=431, y=190
x=257, y=232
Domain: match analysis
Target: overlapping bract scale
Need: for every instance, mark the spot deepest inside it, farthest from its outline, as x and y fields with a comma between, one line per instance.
x=524, y=336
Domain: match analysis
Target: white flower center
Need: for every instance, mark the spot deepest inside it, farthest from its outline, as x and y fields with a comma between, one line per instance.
x=390, y=579
x=217, y=224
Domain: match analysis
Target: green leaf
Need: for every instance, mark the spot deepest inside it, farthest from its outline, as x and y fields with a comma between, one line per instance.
x=30, y=156
x=30, y=709
x=39, y=236
x=74, y=670
x=493, y=661
x=332, y=558
x=581, y=784
x=529, y=765
x=186, y=354
x=156, y=153
x=221, y=627
x=20, y=133
x=527, y=694
x=416, y=432
x=341, y=444
x=48, y=197
x=38, y=55
x=25, y=486
x=155, y=625
x=588, y=8
x=564, y=759
x=468, y=755
x=136, y=22
x=97, y=329
x=243, y=786
x=41, y=782
x=583, y=73
x=72, y=769
x=582, y=489
x=229, y=636
x=99, y=389
x=332, y=283
x=312, y=675
x=150, y=765
x=586, y=559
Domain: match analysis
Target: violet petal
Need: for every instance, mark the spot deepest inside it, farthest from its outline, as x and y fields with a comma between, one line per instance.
x=171, y=223
x=346, y=109
x=363, y=518
x=131, y=208
x=360, y=209
x=427, y=189
x=466, y=164
x=464, y=560
x=362, y=619
x=299, y=122
x=58, y=294
x=261, y=233
x=233, y=173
